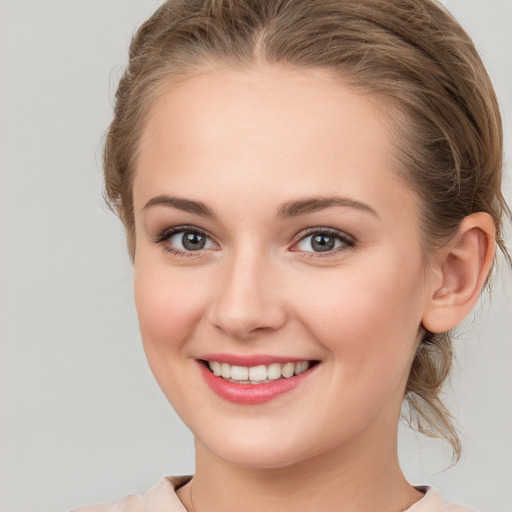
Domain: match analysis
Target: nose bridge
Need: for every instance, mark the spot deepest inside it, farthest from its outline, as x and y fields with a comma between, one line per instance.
x=247, y=300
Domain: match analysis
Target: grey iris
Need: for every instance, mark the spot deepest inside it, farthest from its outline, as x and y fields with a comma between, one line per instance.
x=322, y=242
x=193, y=241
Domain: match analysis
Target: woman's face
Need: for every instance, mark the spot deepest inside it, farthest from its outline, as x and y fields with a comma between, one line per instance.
x=273, y=235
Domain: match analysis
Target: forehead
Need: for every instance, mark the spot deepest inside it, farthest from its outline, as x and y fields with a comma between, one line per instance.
x=223, y=107
x=284, y=130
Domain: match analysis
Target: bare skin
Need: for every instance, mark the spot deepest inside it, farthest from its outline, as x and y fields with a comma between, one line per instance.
x=224, y=155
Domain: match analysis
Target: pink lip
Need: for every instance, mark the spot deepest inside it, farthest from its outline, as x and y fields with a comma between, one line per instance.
x=251, y=394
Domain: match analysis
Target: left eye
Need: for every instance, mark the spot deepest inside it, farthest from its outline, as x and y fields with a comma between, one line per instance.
x=189, y=240
x=323, y=241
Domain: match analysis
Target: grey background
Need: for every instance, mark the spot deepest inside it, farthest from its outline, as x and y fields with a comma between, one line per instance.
x=82, y=419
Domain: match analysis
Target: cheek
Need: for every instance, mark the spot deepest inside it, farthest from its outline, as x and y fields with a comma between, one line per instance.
x=168, y=307
x=370, y=315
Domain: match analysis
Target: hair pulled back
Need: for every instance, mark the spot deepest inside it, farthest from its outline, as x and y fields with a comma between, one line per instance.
x=411, y=54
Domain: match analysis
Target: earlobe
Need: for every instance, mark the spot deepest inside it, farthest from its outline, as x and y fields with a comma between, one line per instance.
x=461, y=270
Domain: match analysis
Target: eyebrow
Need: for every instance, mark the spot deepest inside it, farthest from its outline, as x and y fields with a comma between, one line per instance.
x=289, y=209
x=304, y=206
x=186, y=205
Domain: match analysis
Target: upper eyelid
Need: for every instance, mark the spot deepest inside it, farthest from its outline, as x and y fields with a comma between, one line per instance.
x=168, y=232
x=311, y=231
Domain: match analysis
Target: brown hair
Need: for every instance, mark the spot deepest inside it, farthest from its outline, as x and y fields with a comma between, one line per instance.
x=412, y=54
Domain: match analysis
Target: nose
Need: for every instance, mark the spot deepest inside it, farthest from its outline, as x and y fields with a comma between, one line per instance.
x=248, y=302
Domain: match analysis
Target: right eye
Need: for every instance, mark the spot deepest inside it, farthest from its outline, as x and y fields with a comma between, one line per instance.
x=190, y=241
x=183, y=240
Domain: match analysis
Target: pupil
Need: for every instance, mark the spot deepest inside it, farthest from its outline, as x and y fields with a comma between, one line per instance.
x=322, y=243
x=193, y=241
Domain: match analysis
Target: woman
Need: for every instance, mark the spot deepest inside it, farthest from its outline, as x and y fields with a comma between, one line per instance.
x=312, y=197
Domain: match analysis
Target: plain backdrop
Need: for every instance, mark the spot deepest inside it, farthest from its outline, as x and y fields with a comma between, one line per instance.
x=82, y=419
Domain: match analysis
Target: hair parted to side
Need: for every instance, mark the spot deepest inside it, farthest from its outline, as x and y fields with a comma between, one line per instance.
x=410, y=54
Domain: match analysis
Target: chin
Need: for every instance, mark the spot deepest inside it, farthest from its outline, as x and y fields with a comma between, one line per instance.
x=258, y=458
x=259, y=452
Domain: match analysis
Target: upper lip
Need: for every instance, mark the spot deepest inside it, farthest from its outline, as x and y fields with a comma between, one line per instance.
x=251, y=360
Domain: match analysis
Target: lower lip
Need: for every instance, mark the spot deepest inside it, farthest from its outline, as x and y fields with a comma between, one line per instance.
x=251, y=394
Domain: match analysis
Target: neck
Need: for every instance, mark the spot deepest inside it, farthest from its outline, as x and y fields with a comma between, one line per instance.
x=359, y=478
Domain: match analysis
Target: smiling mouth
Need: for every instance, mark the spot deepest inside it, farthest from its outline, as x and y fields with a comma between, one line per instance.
x=261, y=374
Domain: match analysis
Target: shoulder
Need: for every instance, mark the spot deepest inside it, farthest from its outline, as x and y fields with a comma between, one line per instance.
x=162, y=496
x=432, y=502
x=130, y=503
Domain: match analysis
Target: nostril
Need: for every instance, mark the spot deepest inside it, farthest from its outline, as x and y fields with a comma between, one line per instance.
x=246, y=303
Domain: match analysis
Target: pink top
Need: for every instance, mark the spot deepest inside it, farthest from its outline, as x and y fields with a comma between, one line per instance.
x=163, y=497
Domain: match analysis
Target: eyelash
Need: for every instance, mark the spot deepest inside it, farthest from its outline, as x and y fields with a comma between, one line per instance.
x=347, y=242
x=163, y=239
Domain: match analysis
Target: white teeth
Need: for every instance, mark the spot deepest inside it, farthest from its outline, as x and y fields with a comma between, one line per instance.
x=288, y=370
x=215, y=367
x=274, y=371
x=300, y=367
x=226, y=370
x=239, y=373
x=257, y=374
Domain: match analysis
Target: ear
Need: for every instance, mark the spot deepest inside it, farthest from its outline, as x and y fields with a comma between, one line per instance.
x=459, y=273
